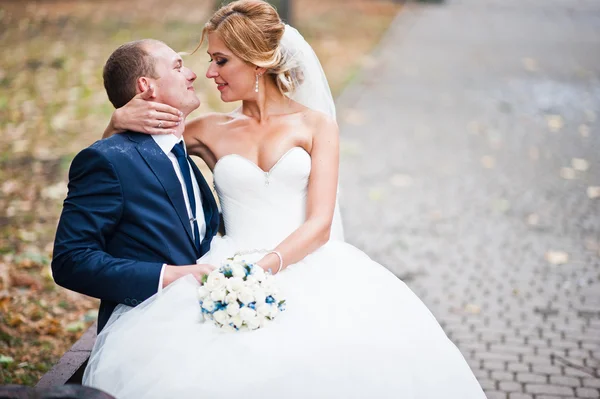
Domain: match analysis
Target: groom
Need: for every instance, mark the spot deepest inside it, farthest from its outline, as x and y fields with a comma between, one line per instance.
x=137, y=205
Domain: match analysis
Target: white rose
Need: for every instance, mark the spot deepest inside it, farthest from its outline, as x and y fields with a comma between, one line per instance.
x=235, y=284
x=209, y=305
x=273, y=311
x=216, y=280
x=246, y=296
x=251, y=281
x=253, y=323
x=263, y=310
x=239, y=271
x=267, y=284
x=258, y=273
x=228, y=328
x=233, y=308
x=237, y=320
x=218, y=295
x=221, y=317
x=231, y=298
x=246, y=313
x=203, y=292
x=259, y=295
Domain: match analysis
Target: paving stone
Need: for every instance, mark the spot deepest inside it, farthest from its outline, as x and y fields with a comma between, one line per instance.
x=519, y=395
x=510, y=386
x=549, y=389
x=566, y=381
x=588, y=393
x=591, y=382
x=496, y=395
x=533, y=378
x=518, y=367
x=502, y=375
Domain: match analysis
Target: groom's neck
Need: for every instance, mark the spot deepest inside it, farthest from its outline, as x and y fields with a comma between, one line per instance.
x=180, y=129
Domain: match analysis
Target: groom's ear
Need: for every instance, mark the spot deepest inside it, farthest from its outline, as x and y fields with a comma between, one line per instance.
x=144, y=84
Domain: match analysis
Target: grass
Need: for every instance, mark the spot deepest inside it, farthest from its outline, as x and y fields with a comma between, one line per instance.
x=53, y=104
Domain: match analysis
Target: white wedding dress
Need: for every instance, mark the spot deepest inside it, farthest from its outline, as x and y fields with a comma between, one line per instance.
x=351, y=329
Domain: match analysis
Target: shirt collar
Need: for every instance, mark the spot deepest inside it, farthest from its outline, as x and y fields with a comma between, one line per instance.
x=166, y=142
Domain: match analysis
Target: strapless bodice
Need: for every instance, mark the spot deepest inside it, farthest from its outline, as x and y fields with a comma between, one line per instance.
x=261, y=208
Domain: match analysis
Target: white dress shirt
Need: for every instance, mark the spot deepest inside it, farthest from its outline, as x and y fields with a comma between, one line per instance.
x=166, y=142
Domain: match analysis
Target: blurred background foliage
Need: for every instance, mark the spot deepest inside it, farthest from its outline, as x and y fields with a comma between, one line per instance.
x=53, y=104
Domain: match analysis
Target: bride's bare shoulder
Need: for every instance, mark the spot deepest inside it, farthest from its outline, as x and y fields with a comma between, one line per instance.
x=205, y=125
x=320, y=122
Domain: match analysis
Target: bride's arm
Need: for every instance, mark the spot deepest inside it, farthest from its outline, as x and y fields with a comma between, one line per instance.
x=321, y=196
x=143, y=115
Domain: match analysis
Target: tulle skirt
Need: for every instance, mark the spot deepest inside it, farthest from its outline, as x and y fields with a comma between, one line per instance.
x=351, y=330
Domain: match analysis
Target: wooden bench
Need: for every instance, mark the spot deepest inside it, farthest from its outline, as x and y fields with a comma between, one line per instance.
x=63, y=381
x=70, y=367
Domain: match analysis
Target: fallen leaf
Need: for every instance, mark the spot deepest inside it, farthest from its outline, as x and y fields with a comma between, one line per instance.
x=24, y=280
x=9, y=187
x=375, y=194
x=557, y=257
x=474, y=127
x=400, y=180
x=530, y=64
x=501, y=205
x=350, y=147
x=593, y=192
x=533, y=219
x=555, y=122
x=580, y=164
x=534, y=153
x=6, y=359
x=55, y=191
x=75, y=326
x=488, y=161
x=355, y=117
x=567, y=173
x=584, y=130
x=473, y=309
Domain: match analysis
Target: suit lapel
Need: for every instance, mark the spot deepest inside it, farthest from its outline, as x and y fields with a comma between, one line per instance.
x=161, y=166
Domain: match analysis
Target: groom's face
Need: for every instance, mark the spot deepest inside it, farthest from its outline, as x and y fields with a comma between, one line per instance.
x=174, y=85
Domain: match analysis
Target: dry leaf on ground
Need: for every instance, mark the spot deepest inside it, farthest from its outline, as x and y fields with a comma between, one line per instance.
x=555, y=122
x=530, y=64
x=593, y=192
x=400, y=180
x=488, y=161
x=557, y=257
x=567, y=173
x=580, y=164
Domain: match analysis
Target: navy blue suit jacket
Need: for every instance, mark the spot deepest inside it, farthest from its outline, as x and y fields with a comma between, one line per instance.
x=125, y=216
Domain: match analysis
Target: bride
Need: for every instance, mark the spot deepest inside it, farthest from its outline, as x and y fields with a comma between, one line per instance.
x=351, y=329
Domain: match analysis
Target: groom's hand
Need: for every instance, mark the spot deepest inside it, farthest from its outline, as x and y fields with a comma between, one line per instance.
x=173, y=273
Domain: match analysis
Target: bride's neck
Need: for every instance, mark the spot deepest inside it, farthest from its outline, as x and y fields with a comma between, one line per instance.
x=268, y=101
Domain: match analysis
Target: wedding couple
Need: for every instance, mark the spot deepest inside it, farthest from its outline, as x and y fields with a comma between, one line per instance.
x=139, y=223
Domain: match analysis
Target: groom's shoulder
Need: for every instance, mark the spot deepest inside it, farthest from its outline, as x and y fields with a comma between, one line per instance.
x=113, y=145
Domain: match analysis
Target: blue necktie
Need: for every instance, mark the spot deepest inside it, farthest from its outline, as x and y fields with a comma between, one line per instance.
x=179, y=152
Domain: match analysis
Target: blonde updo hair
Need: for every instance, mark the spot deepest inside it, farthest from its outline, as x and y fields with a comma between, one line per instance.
x=252, y=30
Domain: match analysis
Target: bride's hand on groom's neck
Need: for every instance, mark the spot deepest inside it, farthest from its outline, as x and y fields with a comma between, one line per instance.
x=173, y=273
x=143, y=115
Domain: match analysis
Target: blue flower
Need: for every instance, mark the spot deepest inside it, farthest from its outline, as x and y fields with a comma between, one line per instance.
x=252, y=305
x=270, y=299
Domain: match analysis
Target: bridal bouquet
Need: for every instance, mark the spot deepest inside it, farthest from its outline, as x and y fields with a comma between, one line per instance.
x=239, y=296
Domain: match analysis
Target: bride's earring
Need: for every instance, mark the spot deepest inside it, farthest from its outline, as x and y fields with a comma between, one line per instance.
x=256, y=85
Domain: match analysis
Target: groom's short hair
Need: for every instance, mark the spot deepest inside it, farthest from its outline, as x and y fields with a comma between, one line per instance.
x=124, y=67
